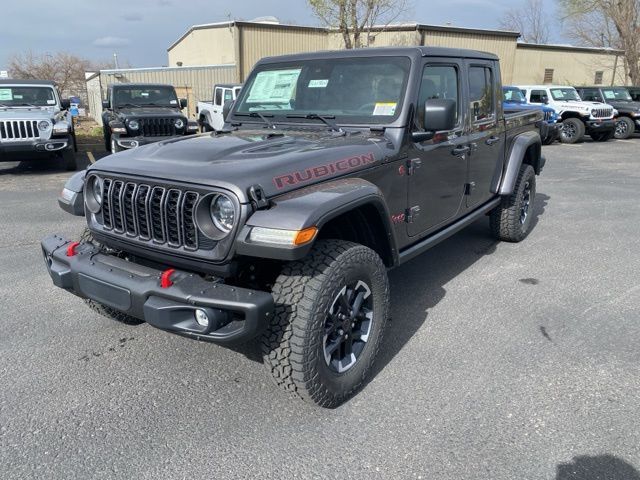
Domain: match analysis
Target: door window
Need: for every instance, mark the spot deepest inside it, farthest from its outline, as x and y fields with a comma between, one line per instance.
x=481, y=93
x=438, y=82
x=537, y=96
x=218, y=97
x=228, y=95
x=590, y=95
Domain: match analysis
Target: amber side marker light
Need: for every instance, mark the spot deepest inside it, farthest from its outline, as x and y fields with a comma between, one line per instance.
x=289, y=238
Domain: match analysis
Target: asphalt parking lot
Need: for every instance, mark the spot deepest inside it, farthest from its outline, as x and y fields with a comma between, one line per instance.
x=502, y=361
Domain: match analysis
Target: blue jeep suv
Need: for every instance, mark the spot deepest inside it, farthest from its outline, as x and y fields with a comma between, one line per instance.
x=515, y=101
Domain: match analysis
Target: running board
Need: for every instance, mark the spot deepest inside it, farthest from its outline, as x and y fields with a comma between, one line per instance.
x=427, y=243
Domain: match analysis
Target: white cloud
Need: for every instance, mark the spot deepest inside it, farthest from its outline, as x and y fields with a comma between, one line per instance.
x=109, y=42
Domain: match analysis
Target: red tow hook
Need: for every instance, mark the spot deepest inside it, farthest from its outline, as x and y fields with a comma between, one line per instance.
x=165, y=278
x=71, y=249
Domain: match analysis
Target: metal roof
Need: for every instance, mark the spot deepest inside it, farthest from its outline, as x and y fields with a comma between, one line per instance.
x=10, y=81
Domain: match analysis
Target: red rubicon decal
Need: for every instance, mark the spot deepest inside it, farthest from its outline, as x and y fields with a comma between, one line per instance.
x=302, y=176
x=399, y=218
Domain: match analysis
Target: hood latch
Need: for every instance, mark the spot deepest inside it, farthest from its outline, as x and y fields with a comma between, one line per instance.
x=258, y=198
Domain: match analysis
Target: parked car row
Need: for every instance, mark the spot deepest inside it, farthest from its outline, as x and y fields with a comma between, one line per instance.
x=602, y=113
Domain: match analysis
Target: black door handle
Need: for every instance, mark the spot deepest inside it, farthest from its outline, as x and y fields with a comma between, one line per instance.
x=460, y=151
x=491, y=140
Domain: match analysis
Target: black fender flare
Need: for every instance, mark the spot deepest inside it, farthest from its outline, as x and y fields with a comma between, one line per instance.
x=313, y=206
x=72, y=198
x=516, y=156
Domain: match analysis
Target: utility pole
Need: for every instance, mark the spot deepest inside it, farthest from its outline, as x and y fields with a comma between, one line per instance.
x=115, y=60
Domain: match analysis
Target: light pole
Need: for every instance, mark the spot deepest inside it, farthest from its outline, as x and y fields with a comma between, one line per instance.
x=115, y=60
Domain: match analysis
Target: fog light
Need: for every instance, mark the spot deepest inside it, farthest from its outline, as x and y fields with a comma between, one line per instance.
x=202, y=318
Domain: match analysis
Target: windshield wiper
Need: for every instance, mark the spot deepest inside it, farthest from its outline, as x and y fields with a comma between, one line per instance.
x=259, y=115
x=326, y=119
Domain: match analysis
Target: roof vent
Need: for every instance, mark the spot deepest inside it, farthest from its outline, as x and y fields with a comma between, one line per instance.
x=268, y=19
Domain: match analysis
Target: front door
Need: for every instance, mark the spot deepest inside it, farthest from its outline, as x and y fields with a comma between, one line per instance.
x=437, y=168
x=486, y=133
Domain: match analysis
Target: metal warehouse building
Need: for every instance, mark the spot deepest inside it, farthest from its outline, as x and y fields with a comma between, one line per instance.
x=226, y=52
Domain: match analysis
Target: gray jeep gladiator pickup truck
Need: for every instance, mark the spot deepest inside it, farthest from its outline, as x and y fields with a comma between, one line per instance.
x=335, y=167
x=136, y=114
x=35, y=122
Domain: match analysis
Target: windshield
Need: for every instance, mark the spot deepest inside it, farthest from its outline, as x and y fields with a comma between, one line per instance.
x=141, y=96
x=351, y=90
x=616, y=94
x=27, y=96
x=513, y=95
x=565, y=94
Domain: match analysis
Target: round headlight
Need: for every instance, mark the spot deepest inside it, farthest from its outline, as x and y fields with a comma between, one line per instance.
x=94, y=194
x=179, y=123
x=43, y=125
x=133, y=124
x=223, y=213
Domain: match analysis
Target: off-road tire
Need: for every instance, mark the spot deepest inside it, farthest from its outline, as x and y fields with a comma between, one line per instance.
x=602, y=136
x=574, y=125
x=293, y=345
x=506, y=219
x=204, y=125
x=97, y=307
x=70, y=159
x=625, y=127
x=549, y=140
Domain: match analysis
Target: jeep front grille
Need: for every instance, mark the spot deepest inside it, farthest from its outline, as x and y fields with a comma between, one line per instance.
x=157, y=127
x=19, y=130
x=147, y=212
x=602, y=112
x=548, y=115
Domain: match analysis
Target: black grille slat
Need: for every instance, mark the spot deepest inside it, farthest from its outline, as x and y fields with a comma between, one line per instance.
x=116, y=206
x=189, y=231
x=156, y=203
x=164, y=215
x=157, y=127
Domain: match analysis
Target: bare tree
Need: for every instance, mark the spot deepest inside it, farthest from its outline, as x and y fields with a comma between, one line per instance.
x=529, y=20
x=607, y=24
x=65, y=69
x=355, y=18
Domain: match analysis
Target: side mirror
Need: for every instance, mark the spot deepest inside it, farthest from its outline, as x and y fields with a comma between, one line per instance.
x=65, y=103
x=439, y=115
x=227, y=107
x=545, y=100
x=183, y=103
x=105, y=104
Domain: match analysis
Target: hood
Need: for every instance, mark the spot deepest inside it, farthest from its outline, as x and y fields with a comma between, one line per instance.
x=526, y=106
x=581, y=105
x=242, y=159
x=131, y=112
x=625, y=106
x=28, y=113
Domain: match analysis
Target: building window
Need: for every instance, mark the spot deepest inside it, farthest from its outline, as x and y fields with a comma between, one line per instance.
x=548, y=75
x=598, y=79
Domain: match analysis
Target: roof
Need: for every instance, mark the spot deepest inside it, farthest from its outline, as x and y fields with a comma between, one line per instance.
x=237, y=23
x=375, y=28
x=228, y=85
x=150, y=69
x=568, y=48
x=384, y=51
x=132, y=85
x=10, y=81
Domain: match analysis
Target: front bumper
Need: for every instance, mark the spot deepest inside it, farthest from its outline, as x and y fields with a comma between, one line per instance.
x=600, y=125
x=38, y=146
x=549, y=132
x=236, y=315
x=133, y=142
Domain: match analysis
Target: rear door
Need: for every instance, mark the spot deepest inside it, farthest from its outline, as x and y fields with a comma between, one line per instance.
x=486, y=130
x=437, y=168
x=216, y=110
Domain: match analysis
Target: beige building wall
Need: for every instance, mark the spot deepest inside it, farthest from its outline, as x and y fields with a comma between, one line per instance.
x=258, y=41
x=571, y=66
x=205, y=46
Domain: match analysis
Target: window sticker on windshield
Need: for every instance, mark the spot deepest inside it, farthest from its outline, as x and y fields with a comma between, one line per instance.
x=51, y=102
x=318, y=83
x=274, y=86
x=173, y=102
x=385, y=109
x=5, y=94
x=18, y=97
x=609, y=94
x=144, y=94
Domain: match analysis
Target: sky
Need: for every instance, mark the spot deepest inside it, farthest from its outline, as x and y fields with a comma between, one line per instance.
x=140, y=31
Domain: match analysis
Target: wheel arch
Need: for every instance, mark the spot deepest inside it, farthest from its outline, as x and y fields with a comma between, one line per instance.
x=526, y=149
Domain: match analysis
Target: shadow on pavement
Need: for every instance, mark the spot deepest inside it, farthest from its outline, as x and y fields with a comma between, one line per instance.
x=600, y=467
